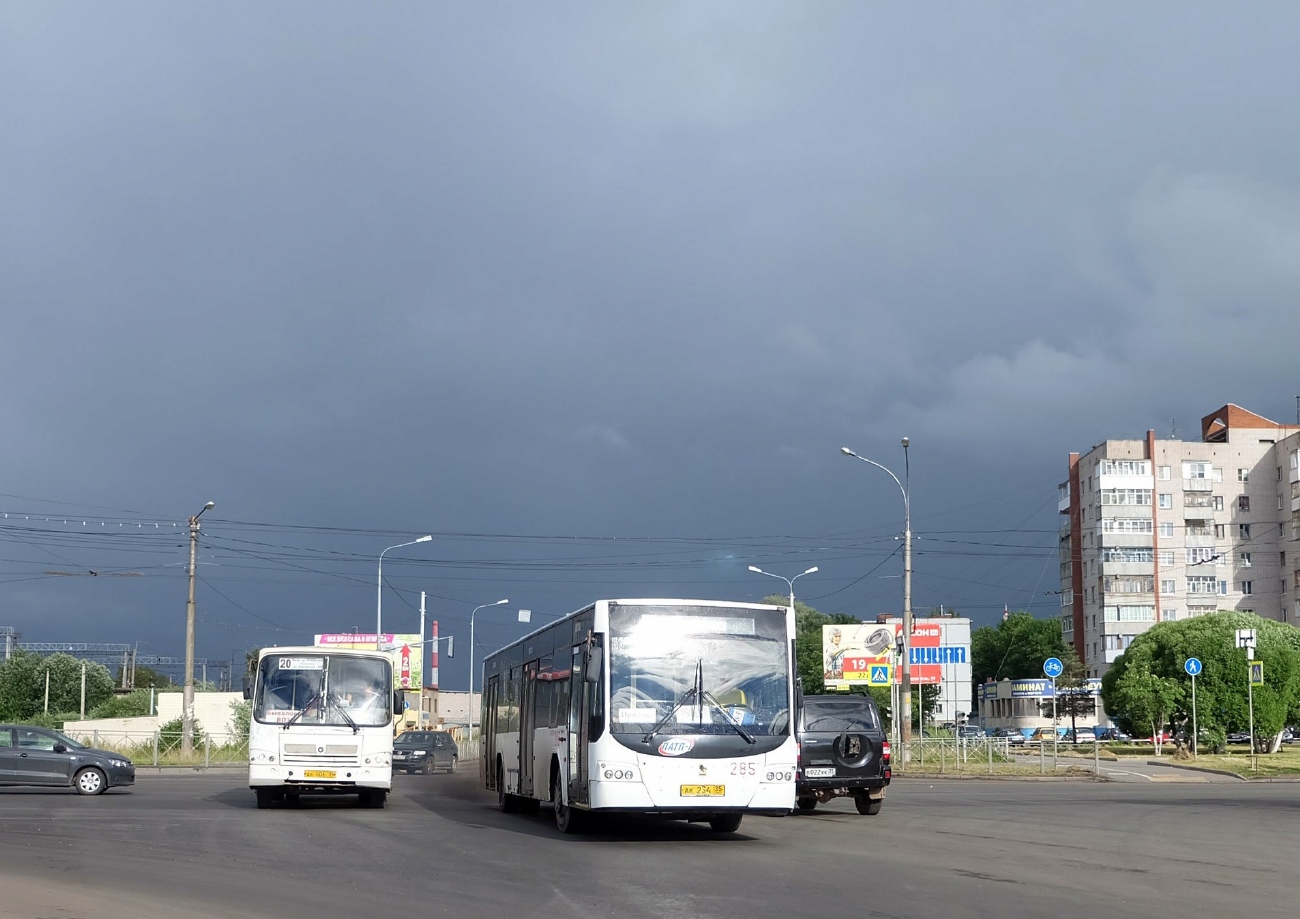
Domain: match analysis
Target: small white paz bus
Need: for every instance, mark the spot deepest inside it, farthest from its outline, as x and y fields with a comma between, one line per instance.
x=672, y=707
x=322, y=723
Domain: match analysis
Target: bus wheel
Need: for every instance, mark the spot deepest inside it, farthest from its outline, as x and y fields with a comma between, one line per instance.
x=374, y=797
x=566, y=819
x=509, y=804
x=725, y=823
x=265, y=798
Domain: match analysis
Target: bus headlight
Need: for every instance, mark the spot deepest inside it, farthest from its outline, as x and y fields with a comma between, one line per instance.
x=618, y=772
x=261, y=756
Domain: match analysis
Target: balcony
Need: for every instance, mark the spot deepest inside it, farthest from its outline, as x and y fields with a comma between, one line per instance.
x=1198, y=485
x=1198, y=542
x=1063, y=498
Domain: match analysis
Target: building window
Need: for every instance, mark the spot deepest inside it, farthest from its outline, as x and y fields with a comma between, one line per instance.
x=1279, y=473
x=1196, y=470
x=1218, y=531
x=1166, y=558
x=1128, y=554
x=1166, y=502
x=1126, y=497
x=1201, y=584
x=1243, y=475
x=1244, y=558
x=1218, y=502
x=1168, y=587
x=1243, y=531
x=1165, y=472
x=1126, y=525
x=1247, y=587
x=1167, y=529
x=1243, y=502
x=1124, y=467
x=1169, y=615
x=1223, y=588
x=1200, y=556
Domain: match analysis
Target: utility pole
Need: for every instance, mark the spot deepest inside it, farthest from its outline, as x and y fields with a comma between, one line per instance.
x=187, y=705
x=907, y=609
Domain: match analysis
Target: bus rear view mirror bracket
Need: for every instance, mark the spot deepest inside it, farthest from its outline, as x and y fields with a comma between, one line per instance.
x=591, y=674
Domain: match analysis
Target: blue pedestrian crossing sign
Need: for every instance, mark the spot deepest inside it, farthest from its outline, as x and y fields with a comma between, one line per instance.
x=1193, y=666
x=879, y=675
x=1053, y=667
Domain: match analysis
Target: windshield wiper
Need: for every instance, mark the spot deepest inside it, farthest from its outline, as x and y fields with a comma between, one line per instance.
x=334, y=700
x=727, y=716
x=650, y=734
x=300, y=712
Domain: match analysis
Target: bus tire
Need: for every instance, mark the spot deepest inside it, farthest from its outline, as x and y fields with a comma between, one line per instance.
x=508, y=803
x=725, y=823
x=567, y=820
x=265, y=798
x=374, y=798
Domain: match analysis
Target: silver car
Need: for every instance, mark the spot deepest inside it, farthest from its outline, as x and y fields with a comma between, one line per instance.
x=39, y=756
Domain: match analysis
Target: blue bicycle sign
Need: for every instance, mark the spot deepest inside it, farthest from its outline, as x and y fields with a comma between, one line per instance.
x=1053, y=667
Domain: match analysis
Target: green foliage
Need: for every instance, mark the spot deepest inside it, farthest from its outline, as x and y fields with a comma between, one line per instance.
x=1016, y=647
x=22, y=685
x=147, y=676
x=241, y=714
x=171, y=733
x=1134, y=701
x=133, y=705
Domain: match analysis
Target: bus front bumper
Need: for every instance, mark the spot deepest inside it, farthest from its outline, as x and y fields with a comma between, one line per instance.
x=320, y=779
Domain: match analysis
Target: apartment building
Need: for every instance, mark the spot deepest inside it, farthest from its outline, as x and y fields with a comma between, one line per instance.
x=1158, y=530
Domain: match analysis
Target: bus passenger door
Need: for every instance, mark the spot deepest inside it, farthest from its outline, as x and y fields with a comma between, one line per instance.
x=526, y=721
x=487, y=731
x=578, y=702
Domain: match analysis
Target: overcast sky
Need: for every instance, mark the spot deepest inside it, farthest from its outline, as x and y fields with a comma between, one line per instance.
x=594, y=293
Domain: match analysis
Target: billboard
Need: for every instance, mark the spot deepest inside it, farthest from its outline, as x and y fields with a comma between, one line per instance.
x=405, y=650
x=862, y=654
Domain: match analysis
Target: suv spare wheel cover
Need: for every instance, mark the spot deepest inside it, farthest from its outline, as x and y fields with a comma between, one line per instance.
x=853, y=750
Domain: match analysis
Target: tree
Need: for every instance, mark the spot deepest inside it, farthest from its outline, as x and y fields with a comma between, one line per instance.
x=147, y=676
x=131, y=705
x=1016, y=647
x=22, y=685
x=1221, y=696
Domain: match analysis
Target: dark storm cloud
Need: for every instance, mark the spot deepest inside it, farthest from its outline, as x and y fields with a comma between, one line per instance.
x=614, y=270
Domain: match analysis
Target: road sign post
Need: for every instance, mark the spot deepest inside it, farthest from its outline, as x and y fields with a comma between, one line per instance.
x=1054, y=668
x=1246, y=641
x=1193, y=667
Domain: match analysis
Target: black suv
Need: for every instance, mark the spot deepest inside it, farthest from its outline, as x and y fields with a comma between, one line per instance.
x=842, y=751
x=424, y=751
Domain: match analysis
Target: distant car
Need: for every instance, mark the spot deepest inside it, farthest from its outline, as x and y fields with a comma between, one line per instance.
x=1239, y=737
x=39, y=756
x=424, y=752
x=843, y=751
x=1081, y=736
x=1112, y=735
x=969, y=731
x=1046, y=735
x=1012, y=736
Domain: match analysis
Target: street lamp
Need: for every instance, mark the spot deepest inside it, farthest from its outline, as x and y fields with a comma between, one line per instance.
x=379, y=591
x=906, y=702
x=789, y=581
x=469, y=707
x=187, y=707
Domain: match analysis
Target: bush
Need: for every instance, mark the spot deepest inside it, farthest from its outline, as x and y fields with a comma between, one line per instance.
x=171, y=733
x=241, y=713
x=133, y=705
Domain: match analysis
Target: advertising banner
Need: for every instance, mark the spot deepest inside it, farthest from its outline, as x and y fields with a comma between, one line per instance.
x=854, y=655
x=405, y=651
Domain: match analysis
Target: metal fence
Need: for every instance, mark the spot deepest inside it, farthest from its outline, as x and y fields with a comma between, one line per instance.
x=163, y=748
x=995, y=756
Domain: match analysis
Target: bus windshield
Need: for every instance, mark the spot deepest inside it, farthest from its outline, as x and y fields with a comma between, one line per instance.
x=318, y=689
x=698, y=670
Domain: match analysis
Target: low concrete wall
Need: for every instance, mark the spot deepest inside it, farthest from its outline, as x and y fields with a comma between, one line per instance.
x=115, y=731
x=211, y=710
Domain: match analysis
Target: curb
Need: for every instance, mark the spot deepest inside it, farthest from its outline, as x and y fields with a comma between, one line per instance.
x=931, y=776
x=190, y=770
x=1235, y=775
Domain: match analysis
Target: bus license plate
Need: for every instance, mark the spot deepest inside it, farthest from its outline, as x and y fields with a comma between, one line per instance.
x=820, y=773
x=319, y=773
x=703, y=791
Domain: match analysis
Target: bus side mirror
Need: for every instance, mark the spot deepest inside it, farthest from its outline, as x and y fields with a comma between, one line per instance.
x=248, y=688
x=592, y=672
x=399, y=701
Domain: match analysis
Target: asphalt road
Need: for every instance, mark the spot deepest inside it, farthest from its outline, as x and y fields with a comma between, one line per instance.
x=196, y=846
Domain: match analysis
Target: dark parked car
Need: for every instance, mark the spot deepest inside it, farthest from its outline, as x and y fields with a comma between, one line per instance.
x=842, y=751
x=424, y=751
x=1113, y=735
x=1011, y=736
x=38, y=756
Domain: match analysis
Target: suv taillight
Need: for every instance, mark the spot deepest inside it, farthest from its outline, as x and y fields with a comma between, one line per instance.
x=884, y=750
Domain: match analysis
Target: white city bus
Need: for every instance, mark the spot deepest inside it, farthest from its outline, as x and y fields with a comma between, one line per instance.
x=672, y=707
x=322, y=723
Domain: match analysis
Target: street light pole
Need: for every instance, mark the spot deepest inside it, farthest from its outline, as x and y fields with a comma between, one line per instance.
x=906, y=678
x=379, y=591
x=789, y=581
x=187, y=706
x=469, y=704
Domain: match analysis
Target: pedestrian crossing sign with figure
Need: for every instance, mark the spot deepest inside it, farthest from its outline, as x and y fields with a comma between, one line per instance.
x=1257, y=673
x=880, y=675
